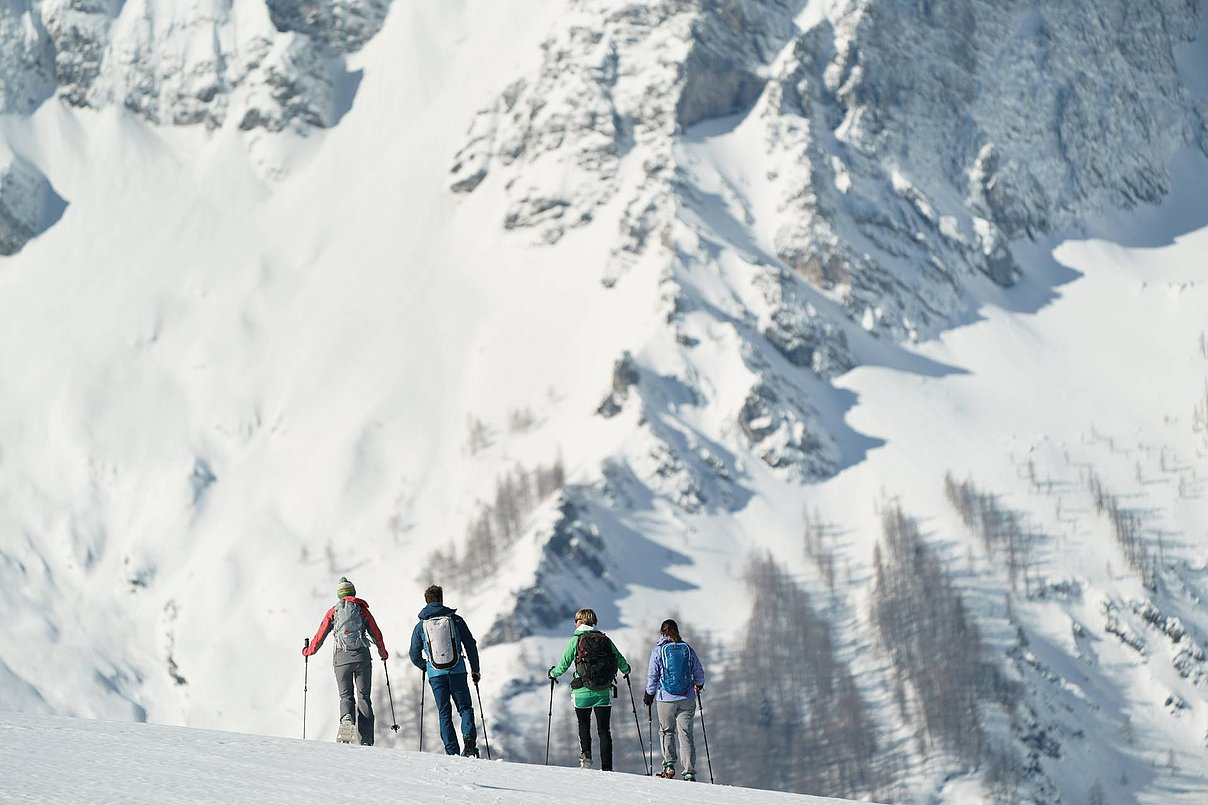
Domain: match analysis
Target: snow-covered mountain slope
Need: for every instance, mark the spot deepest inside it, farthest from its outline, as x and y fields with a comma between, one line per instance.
x=51, y=759
x=833, y=329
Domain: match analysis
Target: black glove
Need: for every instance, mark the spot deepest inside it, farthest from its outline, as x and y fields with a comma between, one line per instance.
x=647, y=699
x=699, y=688
x=475, y=676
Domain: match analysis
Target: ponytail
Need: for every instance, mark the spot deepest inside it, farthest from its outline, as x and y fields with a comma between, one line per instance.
x=671, y=629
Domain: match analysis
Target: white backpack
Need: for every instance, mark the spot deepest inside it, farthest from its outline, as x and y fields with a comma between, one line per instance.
x=349, y=626
x=444, y=649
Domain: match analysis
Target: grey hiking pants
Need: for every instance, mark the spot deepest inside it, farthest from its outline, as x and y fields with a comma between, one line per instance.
x=676, y=717
x=359, y=710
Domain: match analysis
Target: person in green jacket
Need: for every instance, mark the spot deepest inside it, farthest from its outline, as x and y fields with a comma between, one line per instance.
x=593, y=685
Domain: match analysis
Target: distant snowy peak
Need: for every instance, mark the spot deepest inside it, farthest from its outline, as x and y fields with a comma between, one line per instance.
x=616, y=86
x=273, y=66
x=906, y=144
x=617, y=79
x=991, y=122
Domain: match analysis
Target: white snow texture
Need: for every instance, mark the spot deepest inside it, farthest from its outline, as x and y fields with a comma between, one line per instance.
x=865, y=337
x=54, y=760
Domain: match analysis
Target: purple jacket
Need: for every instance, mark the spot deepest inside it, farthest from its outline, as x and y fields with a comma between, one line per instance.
x=656, y=673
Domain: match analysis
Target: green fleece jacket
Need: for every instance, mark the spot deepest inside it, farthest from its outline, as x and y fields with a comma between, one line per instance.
x=585, y=697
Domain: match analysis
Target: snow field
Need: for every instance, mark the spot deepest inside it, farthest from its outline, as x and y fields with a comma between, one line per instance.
x=45, y=759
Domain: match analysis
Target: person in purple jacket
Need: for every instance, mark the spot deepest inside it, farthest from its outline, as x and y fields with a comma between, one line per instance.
x=674, y=680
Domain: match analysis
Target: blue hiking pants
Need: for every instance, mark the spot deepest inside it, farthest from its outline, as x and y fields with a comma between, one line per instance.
x=454, y=686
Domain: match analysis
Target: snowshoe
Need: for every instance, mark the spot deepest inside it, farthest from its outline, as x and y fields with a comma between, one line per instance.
x=668, y=772
x=689, y=777
x=347, y=732
x=471, y=750
x=584, y=762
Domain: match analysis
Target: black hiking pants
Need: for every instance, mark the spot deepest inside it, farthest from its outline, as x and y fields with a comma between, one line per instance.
x=603, y=719
x=360, y=675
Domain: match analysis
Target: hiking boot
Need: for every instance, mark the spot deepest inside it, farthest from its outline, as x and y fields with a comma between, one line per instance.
x=347, y=731
x=668, y=772
x=471, y=749
x=584, y=761
x=689, y=777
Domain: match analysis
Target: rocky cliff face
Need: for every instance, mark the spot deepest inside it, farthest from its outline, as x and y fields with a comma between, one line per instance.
x=261, y=66
x=948, y=129
x=793, y=187
x=273, y=66
x=339, y=25
x=907, y=144
x=882, y=161
x=178, y=65
x=26, y=62
x=618, y=80
x=904, y=145
x=28, y=204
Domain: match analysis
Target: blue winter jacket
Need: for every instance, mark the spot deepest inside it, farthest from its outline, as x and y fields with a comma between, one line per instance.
x=468, y=644
x=655, y=674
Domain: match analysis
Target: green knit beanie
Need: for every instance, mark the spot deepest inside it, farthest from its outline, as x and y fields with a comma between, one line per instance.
x=345, y=588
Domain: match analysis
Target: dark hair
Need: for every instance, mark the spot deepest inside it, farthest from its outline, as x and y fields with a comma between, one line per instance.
x=671, y=629
x=434, y=595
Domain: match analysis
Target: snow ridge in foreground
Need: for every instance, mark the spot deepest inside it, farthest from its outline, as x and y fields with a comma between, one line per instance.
x=52, y=759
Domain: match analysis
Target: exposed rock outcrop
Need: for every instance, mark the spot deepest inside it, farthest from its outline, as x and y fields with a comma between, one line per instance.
x=344, y=26
x=28, y=204
x=27, y=65
x=276, y=67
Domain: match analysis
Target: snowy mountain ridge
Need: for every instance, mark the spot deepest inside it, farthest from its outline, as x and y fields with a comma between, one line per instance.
x=270, y=67
x=717, y=309
x=1020, y=138
x=266, y=65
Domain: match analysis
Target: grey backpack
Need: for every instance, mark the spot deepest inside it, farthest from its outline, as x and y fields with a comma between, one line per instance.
x=349, y=626
x=444, y=649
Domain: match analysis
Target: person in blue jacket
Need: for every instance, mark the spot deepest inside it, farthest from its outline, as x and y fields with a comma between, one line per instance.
x=674, y=680
x=450, y=636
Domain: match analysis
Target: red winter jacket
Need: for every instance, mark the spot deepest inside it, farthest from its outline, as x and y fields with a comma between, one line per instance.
x=343, y=656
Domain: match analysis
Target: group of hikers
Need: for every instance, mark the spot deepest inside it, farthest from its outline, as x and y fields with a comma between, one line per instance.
x=442, y=644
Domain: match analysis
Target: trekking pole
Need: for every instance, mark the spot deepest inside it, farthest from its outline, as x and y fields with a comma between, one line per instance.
x=483, y=715
x=650, y=734
x=305, y=680
x=637, y=725
x=701, y=704
x=549, y=725
x=422, y=674
x=390, y=695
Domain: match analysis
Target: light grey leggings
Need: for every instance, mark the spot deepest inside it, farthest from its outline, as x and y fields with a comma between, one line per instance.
x=360, y=709
x=677, y=717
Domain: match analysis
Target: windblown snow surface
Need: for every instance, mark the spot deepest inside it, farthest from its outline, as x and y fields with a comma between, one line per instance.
x=59, y=760
x=237, y=363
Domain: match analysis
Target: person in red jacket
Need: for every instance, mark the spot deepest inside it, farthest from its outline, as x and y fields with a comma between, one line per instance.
x=350, y=619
